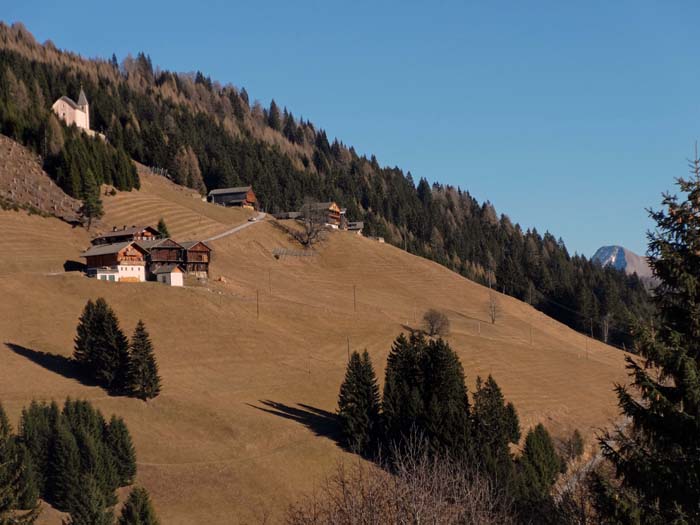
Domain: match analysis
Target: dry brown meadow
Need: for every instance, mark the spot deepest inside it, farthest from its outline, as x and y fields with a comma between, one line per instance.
x=243, y=425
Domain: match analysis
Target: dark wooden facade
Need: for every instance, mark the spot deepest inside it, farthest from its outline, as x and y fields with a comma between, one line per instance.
x=162, y=252
x=241, y=196
x=197, y=258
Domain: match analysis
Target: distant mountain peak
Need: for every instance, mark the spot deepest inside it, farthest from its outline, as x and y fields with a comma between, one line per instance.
x=623, y=259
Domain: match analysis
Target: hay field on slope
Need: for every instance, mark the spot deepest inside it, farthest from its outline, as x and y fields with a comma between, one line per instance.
x=243, y=425
x=186, y=215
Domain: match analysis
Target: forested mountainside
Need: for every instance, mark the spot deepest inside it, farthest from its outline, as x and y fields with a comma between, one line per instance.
x=209, y=135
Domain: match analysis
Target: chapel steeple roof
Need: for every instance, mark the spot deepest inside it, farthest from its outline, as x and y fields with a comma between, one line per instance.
x=82, y=99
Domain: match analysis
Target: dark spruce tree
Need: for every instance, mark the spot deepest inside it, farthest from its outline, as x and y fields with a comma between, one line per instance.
x=121, y=448
x=495, y=427
x=101, y=347
x=13, y=486
x=143, y=379
x=402, y=404
x=88, y=426
x=64, y=467
x=163, y=229
x=92, y=204
x=36, y=434
x=538, y=468
x=138, y=509
x=85, y=337
x=274, y=118
x=88, y=505
x=424, y=393
x=657, y=459
x=358, y=405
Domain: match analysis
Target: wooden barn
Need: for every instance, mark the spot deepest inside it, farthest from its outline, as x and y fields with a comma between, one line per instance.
x=123, y=261
x=197, y=256
x=162, y=252
x=135, y=233
x=243, y=196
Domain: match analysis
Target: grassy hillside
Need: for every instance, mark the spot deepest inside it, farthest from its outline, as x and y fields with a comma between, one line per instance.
x=243, y=425
x=186, y=215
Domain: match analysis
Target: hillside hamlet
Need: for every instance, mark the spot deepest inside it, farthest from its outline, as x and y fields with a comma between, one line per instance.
x=140, y=253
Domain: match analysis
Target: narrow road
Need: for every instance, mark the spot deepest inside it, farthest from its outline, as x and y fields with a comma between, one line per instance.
x=260, y=216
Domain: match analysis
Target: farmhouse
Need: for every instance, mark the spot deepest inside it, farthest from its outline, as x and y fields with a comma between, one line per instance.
x=170, y=274
x=241, y=196
x=123, y=261
x=138, y=254
x=77, y=113
x=330, y=210
x=197, y=256
x=135, y=233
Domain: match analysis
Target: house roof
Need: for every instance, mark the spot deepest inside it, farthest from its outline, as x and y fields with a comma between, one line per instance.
x=106, y=249
x=168, y=268
x=153, y=243
x=320, y=205
x=224, y=191
x=189, y=244
x=70, y=102
x=126, y=231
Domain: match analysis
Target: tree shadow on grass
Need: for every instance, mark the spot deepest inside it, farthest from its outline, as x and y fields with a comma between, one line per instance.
x=319, y=421
x=56, y=363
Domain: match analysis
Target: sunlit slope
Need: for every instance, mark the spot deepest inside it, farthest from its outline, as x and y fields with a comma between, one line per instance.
x=185, y=214
x=251, y=364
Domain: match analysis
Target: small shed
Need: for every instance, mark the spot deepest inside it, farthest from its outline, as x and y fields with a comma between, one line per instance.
x=356, y=227
x=170, y=274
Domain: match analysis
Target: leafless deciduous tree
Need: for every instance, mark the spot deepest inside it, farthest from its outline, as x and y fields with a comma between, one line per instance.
x=494, y=307
x=417, y=489
x=436, y=323
x=313, y=220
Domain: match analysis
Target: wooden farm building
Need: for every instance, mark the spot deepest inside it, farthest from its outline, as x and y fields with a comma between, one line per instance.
x=162, y=252
x=197, y=256
x=123, y=261
x=331, y=210
x=243, y=196
x=138, y=254
x=135, y=233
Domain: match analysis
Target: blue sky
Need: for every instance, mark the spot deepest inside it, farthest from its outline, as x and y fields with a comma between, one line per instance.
x=569, y=118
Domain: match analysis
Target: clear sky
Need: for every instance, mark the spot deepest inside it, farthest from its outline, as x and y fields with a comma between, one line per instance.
x=569, y=118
